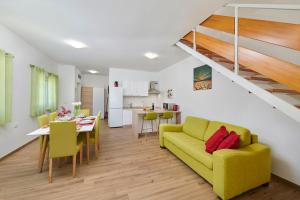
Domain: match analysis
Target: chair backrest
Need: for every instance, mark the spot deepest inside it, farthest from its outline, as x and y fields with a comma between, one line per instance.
x=85, y=112
x=150, y=116
x=43, y=120
x=97, y=126
x=63, y=139
x=167, y=115
x=52, y=116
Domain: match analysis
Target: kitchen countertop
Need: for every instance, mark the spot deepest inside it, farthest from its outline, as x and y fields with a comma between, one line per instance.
x=137, y=107
x=139, y=112
x=133, y=107
x=138, y=115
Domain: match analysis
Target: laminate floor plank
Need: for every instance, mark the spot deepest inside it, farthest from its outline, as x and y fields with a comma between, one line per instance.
x=127, y=169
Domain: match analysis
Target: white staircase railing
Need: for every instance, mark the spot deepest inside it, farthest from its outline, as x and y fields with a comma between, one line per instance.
x=271, y=99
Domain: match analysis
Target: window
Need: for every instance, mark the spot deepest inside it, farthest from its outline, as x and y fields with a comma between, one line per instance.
x=6, y=62
x=44, y=91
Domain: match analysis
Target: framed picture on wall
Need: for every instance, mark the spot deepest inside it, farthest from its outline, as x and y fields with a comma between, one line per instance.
x=202, y=78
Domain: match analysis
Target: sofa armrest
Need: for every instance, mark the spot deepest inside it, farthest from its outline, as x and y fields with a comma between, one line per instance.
x=238, y=170
x=168, y=128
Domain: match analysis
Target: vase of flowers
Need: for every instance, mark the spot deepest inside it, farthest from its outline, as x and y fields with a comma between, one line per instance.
x=76, y=108
x=63, y=112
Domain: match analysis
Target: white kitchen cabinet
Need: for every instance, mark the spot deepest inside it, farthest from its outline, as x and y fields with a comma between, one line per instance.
x=135, y=88
x=127, y=117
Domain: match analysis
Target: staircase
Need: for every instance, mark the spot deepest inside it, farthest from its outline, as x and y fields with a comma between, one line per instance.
x=274, y=80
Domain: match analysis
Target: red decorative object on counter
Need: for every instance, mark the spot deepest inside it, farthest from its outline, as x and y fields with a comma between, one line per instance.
x=175, y=107
x=116, y=84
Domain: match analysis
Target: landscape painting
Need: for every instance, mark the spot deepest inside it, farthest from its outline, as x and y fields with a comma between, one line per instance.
x=202, y=78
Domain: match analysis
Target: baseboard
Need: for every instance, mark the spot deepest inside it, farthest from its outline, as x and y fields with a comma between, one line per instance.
x=17, y=149
x=286, y=181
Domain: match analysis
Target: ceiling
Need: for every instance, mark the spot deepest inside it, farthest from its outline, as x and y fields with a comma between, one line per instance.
x=117, y=32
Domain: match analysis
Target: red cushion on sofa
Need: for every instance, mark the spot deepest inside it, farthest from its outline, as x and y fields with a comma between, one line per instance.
x=215, y=140
x=232, y=141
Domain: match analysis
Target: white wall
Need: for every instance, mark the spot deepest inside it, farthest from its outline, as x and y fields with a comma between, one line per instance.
x=228, y=102
x=116, y=74
x=13, y=135
x=67, y=85
x=93, y=80
x=120, y=75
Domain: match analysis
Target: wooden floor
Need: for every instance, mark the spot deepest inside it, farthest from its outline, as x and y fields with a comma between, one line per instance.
x=128, y=168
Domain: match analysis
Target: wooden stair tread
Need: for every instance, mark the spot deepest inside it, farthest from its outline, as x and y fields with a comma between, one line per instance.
x=258, y=78
x=287, y=91
x=273, y=68
x=279, y=33
x=216, y=57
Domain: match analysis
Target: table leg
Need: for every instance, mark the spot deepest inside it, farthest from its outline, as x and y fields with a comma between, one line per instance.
x=43, y=153
x=178, y=118
x=40, y=153
x=88, y=147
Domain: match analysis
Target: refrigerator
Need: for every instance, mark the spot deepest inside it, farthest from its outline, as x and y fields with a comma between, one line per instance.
x=115, y=114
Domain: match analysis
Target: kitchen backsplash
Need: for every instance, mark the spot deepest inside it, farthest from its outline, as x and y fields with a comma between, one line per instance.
x=142, y=101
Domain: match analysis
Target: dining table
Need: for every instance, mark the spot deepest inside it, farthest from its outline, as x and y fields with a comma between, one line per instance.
x=45, y=132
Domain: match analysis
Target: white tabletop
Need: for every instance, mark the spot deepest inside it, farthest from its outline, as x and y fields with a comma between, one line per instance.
x=45, y=131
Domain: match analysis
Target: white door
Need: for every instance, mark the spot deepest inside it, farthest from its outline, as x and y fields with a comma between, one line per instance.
x=98, y=101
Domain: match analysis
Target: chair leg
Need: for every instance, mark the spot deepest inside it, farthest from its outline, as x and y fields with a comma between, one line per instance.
x=152, y=126
x=81, y=154
x=50, y=171
x=96, y=150
x=158, y=125
x=142, y=127
x=74, y=165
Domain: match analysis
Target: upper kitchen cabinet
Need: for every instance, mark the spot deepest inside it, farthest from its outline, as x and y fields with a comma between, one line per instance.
x=135, y=88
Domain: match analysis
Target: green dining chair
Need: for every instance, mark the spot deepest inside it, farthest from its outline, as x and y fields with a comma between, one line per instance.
x=52, y=116
x=63, y=143
x=85, y=112
x=149, y=116
x=165, y=116
x=43, y=120
x=94, y=136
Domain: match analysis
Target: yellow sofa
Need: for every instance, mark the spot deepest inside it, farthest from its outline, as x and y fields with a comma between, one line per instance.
x=230, y=171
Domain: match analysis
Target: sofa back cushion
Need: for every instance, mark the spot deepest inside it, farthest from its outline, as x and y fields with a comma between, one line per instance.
x=245, y=136
x=195, y=127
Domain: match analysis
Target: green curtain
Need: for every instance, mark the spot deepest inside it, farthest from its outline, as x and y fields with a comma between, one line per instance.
x=6, y=63
x=38, y=102
x=52, y=92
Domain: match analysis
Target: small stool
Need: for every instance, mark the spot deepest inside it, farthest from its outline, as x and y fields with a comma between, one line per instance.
x=165, y=116
x=150, y=116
